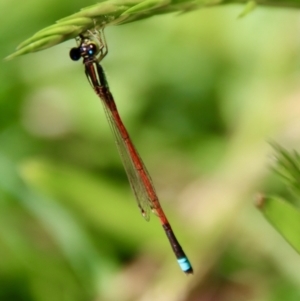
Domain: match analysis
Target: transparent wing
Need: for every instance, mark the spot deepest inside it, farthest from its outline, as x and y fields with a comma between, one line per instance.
x=136, y=181
x=137, y=174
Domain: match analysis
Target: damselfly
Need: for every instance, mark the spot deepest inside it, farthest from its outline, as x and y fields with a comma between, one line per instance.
x=92, y=48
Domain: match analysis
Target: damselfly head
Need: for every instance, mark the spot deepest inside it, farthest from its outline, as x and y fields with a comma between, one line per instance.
x=86, y=49
x=91, y=46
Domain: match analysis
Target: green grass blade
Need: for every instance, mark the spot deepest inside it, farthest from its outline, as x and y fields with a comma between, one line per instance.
x=66, y=28
x=37, y=45
x=146, y=6
x=102, y=14
x=116, y=12
x=288, y=168
x=281, y=213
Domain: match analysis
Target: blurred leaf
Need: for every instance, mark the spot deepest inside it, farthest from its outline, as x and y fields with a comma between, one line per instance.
x=283, y=216
x=249, y=7
x=72, y=239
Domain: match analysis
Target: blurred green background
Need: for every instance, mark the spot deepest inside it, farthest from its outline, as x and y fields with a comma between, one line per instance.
x=201, y=94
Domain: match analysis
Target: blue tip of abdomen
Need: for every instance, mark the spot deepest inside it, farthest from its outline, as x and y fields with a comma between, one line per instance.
x=185, y=265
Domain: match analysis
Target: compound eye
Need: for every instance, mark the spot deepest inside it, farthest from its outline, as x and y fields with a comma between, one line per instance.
x=75, y=54
x=92, y=49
